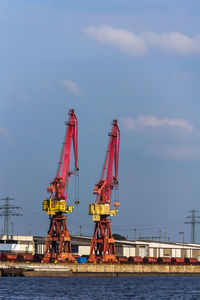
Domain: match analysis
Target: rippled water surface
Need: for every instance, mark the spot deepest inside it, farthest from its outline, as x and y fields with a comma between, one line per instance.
x=100, y=288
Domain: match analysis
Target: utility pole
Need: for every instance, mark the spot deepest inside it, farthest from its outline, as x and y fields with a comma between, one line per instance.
x=135, y=234
x=159, y=235
x=7, y=211
x=182, y=233
x=12, y=228
x=73, y=231
x=193, y=221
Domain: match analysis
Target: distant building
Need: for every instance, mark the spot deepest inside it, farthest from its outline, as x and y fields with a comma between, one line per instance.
x=81, y=246
x=17, y=243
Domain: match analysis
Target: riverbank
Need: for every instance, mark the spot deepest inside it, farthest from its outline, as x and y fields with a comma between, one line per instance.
x=135, y=270
x=105, y=270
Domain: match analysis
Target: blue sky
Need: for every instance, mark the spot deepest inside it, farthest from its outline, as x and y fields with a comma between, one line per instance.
x=135, y=61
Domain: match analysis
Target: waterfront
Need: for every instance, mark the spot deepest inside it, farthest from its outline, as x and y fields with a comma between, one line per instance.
x=99, y=288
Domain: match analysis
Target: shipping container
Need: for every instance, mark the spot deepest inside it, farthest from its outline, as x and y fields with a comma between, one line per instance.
x=81, y=260
x=149, y=260
x=24, y=257
x=8, y=257
x=190, y=261
x=135, y=259
x=164, y=260
x=122, y=259
x=177, y=260
x=76, y=257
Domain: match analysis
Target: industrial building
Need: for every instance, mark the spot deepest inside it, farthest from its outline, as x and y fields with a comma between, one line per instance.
x=17, y=244
x=81, y=246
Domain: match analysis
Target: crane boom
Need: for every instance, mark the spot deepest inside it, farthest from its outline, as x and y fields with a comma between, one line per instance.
x=64, y=164
x=59, y=186
x=111, y=160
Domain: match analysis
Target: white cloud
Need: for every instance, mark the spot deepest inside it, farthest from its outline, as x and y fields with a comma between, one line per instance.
x=5, y=134
x=175, y=42
x=152, y=121
x=178, y=153
x=124, y=40
x=71, y=86
x=135, y=44
x=128, y=123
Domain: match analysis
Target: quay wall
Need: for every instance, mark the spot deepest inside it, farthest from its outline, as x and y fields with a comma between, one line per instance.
x=137, y=269
x=58, y=270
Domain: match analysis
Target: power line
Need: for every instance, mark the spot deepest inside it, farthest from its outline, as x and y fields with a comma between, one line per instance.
x=193, y=221
x=8, y=210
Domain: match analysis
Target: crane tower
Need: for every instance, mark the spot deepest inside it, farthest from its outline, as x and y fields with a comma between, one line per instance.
x=102, y=248
x=58, y=244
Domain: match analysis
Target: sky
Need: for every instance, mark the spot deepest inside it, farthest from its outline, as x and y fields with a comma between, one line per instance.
x=137, y=61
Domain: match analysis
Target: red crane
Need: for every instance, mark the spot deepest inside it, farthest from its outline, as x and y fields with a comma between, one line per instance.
x=58, y=244
x=102, y=246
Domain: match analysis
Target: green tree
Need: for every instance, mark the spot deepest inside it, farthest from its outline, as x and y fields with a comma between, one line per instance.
x=119, y=237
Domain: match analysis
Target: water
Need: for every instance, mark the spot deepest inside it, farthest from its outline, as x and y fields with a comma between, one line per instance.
x=99, y=288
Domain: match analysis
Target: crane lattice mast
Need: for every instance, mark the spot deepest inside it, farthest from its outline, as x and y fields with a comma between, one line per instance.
x=102, y=246
x=58, y=243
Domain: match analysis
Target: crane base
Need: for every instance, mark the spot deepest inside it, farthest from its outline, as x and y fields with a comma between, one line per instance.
x=58, y=243
x=108, y=259
x=102, y=248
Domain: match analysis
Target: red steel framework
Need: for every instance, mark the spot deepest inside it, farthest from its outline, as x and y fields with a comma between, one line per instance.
x=58, y=244
x=102, y=244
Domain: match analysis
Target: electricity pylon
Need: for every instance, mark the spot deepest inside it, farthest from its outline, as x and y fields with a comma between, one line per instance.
x=7, y=211
x=193, y=221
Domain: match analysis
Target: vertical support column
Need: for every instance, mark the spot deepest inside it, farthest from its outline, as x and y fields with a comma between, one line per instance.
x=102, y=246
x=58, y=243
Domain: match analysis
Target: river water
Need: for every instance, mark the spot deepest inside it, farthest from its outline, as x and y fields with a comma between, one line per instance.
x=100, y=288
